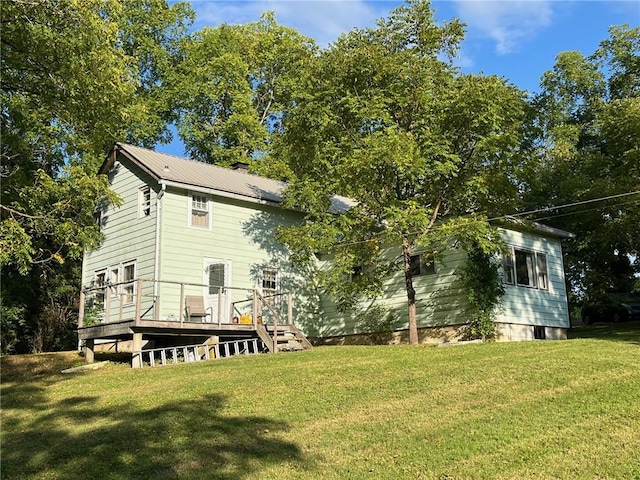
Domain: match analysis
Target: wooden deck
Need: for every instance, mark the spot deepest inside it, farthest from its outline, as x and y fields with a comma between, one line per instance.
x=138, y=320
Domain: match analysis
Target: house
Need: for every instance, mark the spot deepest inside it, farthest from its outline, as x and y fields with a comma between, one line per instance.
x=534, y=305
x=190, y=258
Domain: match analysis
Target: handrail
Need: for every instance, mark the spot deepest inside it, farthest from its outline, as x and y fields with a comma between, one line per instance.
x=108, y=293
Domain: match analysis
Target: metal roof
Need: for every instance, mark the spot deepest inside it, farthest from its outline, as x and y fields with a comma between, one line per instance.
x=190, y=173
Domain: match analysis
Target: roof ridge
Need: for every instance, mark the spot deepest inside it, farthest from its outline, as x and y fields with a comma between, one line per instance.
x=200, y=162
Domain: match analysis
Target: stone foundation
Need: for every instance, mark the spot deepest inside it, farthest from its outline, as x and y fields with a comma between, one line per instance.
x=446, y=334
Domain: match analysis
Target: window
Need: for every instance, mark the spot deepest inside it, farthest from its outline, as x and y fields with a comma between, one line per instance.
x=97, y=217
x=526, y=269
x=100, y=292
x=144, y=202
x=114, y=279
x=270, y=285
x=539, y=333
x=543, y=277
x=199, y=211
x=422, y=264
x=216, y=277
x=129, y=274
x=357, y=271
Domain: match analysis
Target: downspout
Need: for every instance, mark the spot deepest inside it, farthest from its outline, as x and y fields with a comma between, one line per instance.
x=156, y=261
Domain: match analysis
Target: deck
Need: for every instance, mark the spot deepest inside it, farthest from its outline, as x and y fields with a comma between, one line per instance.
x=134, y=311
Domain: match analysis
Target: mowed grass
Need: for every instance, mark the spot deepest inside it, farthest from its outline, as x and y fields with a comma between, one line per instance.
x=549, y=409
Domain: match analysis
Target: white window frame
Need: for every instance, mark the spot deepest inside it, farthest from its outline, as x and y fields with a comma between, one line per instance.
x=144, y=201
x=113, y=278
x=205, y=200
x=274, y=277
x=536, y=266
x=129, y=289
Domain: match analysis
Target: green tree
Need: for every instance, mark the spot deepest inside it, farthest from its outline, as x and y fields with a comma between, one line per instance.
x=588, y=129
x=76, y=76
x=233, y=86
x=425, y=151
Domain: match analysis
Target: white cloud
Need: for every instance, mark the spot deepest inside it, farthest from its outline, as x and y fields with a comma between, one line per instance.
x=508, y=23
x=322, y=20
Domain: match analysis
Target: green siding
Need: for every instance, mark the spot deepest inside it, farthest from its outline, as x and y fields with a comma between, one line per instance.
x=439, y=300
x=531, y=306
x=126, y=237
x=241, y=233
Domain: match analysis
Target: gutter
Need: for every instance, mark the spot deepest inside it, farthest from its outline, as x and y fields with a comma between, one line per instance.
x=215, y=192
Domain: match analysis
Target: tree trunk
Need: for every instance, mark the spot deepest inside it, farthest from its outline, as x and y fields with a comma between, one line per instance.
x=411, y=292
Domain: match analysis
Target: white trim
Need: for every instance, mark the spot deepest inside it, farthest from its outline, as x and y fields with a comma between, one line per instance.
x=218, y=193
x=144, y=204
x=206, y=262
x=207, y=199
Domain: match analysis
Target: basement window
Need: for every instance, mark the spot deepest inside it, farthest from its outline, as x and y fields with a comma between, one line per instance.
x=539, y=333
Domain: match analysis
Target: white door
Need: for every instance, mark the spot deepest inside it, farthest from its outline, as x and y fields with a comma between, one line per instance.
x=217, y=273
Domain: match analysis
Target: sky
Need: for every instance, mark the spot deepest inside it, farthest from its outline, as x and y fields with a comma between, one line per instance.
x=514, y=39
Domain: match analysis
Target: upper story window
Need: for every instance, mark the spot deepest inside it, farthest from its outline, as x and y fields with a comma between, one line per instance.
x=144, y=201
x=422, y=264
x=525, y=268
x=199, y=206
x=97, y=217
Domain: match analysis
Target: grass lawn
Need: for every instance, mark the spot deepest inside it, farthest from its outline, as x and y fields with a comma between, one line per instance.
x=547, y=409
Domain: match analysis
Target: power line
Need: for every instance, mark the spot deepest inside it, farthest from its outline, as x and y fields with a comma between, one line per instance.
x=531, y=212
x=558, y=207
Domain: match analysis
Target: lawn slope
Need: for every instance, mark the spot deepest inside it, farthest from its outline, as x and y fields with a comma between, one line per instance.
x=548, y=409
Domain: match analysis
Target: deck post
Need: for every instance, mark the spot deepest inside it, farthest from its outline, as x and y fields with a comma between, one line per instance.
x=81, y=308
x=255, y=306
x=89, y=346
x=220, y=305
x=107, y=301
x=136, y=356
x=275, y=334
x=290, y=308
x=156, y=307
x=138, y=294
x=121, y=306
x=181, y=304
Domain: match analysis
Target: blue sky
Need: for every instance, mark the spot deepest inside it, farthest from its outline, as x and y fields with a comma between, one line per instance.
x=517, y=40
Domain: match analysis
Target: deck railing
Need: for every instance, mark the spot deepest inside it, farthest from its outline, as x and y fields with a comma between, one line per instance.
x=144, y=300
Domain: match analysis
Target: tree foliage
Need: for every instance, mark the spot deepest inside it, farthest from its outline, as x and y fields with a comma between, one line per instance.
x=588, y=121
x=424, y=150
x=76, y=76
x=232, y=87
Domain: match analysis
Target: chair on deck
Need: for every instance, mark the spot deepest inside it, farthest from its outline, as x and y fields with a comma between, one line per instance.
x=195, y=308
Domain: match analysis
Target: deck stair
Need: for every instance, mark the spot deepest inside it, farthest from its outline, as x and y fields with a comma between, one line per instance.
x=283, y=338
x=154, y=357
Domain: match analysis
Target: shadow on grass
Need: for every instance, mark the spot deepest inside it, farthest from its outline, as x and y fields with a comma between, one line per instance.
x=620, y=332
x=76, y=438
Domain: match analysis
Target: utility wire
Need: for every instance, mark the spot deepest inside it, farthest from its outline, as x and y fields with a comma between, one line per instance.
x=531, y=212
x=567, y=205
